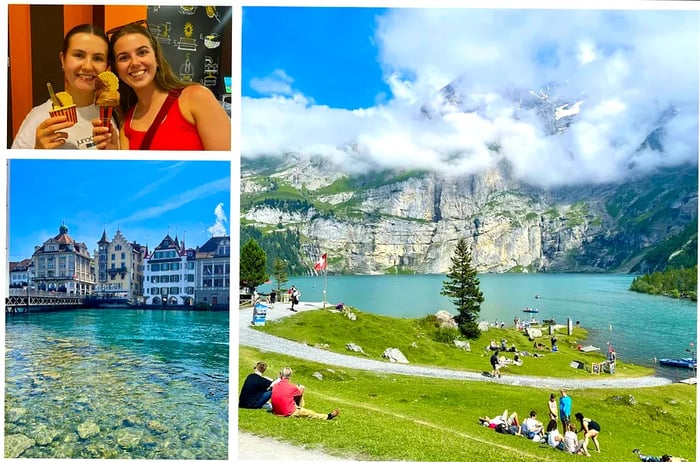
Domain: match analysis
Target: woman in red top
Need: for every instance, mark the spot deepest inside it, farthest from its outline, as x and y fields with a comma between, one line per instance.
x=194, y=121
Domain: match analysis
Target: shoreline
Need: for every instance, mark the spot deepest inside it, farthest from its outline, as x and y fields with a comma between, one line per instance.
x=247, y=336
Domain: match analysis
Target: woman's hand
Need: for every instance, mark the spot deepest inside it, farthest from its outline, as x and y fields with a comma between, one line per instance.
x=103, y=136
x=48, y=134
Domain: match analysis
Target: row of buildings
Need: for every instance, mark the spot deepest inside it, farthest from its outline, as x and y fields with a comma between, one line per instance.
x=119, y=270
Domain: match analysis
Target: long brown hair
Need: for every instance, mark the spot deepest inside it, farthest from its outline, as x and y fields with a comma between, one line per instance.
x=165, y=77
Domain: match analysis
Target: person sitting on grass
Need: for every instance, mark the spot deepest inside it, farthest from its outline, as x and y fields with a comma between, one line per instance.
x=664, y=458
x=571, y=444
x=591, y=430
x=257, y=389
x=288, y=400
x=533, y=428
x=554, y=438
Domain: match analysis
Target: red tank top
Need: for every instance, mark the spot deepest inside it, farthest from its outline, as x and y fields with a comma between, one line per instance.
x=174, y=134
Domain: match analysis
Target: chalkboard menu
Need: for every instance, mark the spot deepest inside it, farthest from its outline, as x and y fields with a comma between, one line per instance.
x=191, y=39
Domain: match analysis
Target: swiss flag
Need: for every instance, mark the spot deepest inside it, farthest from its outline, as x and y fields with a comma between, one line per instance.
x=321, y=263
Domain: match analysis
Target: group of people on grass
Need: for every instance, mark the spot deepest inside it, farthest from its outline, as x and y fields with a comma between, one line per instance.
x=280, y=396
x=534, y=429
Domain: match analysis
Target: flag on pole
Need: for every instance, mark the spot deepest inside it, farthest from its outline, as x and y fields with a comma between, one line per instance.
x=321, y=263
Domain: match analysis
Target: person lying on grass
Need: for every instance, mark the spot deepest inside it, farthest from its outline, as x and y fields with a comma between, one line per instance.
x=664, y=458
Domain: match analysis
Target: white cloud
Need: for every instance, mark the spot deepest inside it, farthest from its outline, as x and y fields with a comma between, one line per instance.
x=219, y=228
x=278, y=83
x=627, y=67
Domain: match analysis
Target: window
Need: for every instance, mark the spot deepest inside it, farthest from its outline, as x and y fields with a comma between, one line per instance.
x=207, y=283
x=164, y=266
x=123, y=255
x=218, y=269
x=218, y=282
x=174, y=278
x=174, y=266
x=117, y=247
x=190, y=278
x=206, y=269
x=155, y=267
x=189, y=290
x=174, y=290
x=114, y=256
x=190, y=265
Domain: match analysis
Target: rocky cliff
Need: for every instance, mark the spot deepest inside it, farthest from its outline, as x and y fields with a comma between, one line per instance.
x=410, y=221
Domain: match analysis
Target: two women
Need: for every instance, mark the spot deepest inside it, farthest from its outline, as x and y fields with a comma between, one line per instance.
x=159, y=111
x=83, y=56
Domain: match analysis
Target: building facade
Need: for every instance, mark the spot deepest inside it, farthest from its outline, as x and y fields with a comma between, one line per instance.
x=170, y=274
x=120, y=268
x=214, y=271
x=61, y=264
x=20, y=273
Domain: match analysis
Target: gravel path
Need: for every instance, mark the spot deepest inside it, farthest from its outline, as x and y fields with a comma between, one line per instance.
x=250, y=447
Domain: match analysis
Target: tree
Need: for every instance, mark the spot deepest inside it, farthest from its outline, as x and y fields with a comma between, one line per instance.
x=462, y=287
x=252, y=266
x=279, y=272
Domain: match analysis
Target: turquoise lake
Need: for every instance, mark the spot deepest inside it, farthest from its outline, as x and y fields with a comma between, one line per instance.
x=640, y=327
x=117, y=384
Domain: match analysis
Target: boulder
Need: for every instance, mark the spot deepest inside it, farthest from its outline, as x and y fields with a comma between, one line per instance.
x=445, y=319
x=533, y=333
x=483, y=326
x=461, y=344
x=355, y=348
x=88, y=429
x=394, y=355
x=16, y=444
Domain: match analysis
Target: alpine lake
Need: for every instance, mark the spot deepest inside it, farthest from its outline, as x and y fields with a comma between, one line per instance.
x=117, y=383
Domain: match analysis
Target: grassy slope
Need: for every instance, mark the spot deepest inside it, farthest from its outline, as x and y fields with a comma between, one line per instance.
x=375, y=333
x=393, y=417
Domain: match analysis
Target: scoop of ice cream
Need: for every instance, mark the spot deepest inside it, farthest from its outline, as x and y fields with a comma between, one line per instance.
x=64, y=98
x=108, y=98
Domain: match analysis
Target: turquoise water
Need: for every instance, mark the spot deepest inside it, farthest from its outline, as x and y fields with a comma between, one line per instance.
x=117, y=384
x=640, y=327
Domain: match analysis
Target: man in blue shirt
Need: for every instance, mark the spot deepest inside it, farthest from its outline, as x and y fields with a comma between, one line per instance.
x=565, y=408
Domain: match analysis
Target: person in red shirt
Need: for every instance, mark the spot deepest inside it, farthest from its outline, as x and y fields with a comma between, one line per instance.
x=288, y=400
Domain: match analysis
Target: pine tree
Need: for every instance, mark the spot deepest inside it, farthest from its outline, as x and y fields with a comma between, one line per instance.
x=279, y=272
x=252, y=265
x=462, y=287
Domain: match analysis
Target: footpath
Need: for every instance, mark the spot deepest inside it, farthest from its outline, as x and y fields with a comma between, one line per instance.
x=254, y=448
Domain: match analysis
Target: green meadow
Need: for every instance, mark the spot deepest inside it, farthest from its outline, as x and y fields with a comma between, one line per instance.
x=411, y=418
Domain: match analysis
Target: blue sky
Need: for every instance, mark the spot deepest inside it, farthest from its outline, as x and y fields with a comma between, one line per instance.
x=349, y=84
x=320, y=50
x=144, y=199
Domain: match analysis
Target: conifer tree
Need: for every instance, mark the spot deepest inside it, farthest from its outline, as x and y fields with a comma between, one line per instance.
x=252, y=265
x=279, y=272
x=462, y=287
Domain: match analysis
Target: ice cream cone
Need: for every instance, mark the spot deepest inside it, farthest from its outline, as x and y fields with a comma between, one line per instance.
x=70, y=112
x=106, y=115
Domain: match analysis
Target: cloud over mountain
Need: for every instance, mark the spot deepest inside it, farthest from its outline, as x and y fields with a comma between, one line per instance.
x=619, y=76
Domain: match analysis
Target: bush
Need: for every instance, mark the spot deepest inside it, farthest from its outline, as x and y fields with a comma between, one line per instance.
x=446, y=335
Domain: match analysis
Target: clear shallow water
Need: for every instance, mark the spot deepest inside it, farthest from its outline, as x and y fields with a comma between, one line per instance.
x=640, y=327
x=118, y=384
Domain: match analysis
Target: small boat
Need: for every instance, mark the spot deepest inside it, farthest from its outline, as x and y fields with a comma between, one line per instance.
x=687, y=363
x=531, y=310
